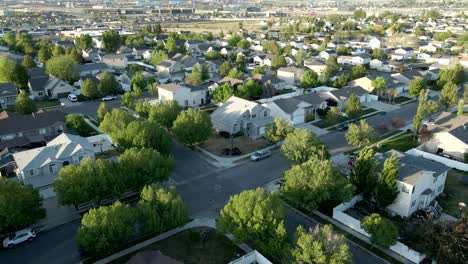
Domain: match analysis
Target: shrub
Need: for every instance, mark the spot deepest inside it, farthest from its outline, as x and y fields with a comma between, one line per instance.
x=309, y=118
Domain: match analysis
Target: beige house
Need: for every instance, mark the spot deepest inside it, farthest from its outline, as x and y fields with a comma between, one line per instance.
x=184, y=94
x=315, y=65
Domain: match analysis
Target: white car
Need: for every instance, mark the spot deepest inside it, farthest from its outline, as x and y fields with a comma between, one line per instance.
x=109, y=98
x=72, y=98
x=19, y=237
x=259, y=155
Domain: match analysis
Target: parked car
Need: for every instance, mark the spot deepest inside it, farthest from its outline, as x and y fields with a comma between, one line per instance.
x=109, y=98
x=72, y=98
x=19, y=237
x=342, y=127
x=259, y=155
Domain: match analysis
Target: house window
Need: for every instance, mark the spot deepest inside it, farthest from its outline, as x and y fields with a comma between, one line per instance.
x=31, y=172
x=404, y=189
x=413, y=203
x=52, y=168
x=265, y=113
x=254, y=116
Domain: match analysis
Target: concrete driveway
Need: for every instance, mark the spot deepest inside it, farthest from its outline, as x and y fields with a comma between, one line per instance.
x=380, y=106
x=317, y=130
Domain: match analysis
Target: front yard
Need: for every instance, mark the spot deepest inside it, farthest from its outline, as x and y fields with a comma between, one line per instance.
x=200, y=245
x=216, y=143
x=324, y=123
x=456, y=191
x=403, y=143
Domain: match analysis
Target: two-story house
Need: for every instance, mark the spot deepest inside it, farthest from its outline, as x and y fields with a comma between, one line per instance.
x=40, y=166
x=296, y=109
x=184, y=94
x=239, y=115
x=8, y=95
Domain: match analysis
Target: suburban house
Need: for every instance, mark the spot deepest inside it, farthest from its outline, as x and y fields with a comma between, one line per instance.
x=375, y=43
x=406, y=77
x=93, y=68
x=419, y=182
x=297, y=108
x=126, y=77
x=344, y=60
x=22, y=130
x=315, y=65
x=239, y=115
x=290, y=75
x=49, y=86
x=174, y=69
x=184, y=94
x=8, y=95
x=40, y=166
x=116, y=61
x=366, y=82
x=402, y=54
x=360, y=59
x=449, y=136
x=341, y=96
x=90, y=54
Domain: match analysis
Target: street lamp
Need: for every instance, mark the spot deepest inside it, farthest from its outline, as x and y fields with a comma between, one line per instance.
x=461, y=206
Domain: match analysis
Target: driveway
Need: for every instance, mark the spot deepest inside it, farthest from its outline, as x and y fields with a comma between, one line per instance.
x=381, y=106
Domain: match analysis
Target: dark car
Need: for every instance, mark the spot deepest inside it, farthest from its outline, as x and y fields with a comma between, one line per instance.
x=342, y=127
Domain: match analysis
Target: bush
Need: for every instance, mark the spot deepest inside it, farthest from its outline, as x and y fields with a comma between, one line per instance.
x=309, y=118
x=224, y=134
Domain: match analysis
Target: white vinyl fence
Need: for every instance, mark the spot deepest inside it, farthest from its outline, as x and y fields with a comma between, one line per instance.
x=447, y=162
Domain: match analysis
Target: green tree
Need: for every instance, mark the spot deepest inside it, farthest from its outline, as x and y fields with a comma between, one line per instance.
x=111, y=40
x=315, y=181
x=278, y=130
x=332, y=65
x=364, y=173
x=233, y=40
x=195, y=78
x=222, y=93
x=240, y=62
x=139, y=80
x=456, y=75
x=158, y=56
x=161, y=209
x=244, y=44
x=89, y=89
x=108, y=84
x=213, y=55
x=143, y=108
x=309, y=79
x=300, y=145
x=102, y=111
x=334, y=115
x=460, y=107
x=57, y=51
x=416, y=86
x=353, y=106
x=278, y=61
x=250, y=90
x=360, y=135
x=383, y=231
x=6, y=68
x=19, y=76
x=235, y=73
x=343, y=50
x=387, y=190
x=300, y=56
x=116, y=121
x=192, y=127
x=205, y=75
x=128, y=100
x=105, y=228
x=44, y=54
x=321, y=245
x=259, y=70
x=28, y=62
x=166, y=113
x=358, y=71
x=24, y=104
x=255, y=216
x=359, y=14
x=20, y=206
x=224, y=69
x=421, y=111
x=145, y=134
x=77, y=123
x=379, y=85
x=84, y=42
x=63, y=67
x=378, y=54
x=449, y=95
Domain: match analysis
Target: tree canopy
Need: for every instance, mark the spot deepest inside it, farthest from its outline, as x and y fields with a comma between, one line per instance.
x=108, y=84
x=360, y=135
x=364, y=173
x=63, y=67
x=382, y=230
x=251, y=90
x=301, y=144
x=387, y=190
x=222, y=93
x=449, y=95
x=309, y=79
x=416, y=86
x=278, y=130
x=24, y=104
x=166, y=113
x=111, y=40
x=353, y=106
x=89, y=89
x=192, y=126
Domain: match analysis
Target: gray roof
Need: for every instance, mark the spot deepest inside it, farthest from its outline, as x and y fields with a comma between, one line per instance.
x=414, y=74
x=310, y=98
x=38, y=84
x=288, y=105
x=93, y=67
x=412, y=167
x=37, y=72
x=225, y=116
x=22, y=123
x=7, y=89
x=347, y=91
x=456, y=125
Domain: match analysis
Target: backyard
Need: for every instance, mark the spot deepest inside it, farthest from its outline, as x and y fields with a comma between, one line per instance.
x=200, y=245
x=456, y=190
x=403, y=143
x=216, y=143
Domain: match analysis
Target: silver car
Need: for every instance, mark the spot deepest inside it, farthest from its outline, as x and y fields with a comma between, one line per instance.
x=259, y=155
x=19, y=237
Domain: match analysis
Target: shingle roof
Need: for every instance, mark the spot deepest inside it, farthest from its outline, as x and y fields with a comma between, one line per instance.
x=7, y=89
x=38, y=84
x=288, y=105
x=21, y=123
x=347, y=91
x=457, y=125
x=230, y=111
x=93, y=67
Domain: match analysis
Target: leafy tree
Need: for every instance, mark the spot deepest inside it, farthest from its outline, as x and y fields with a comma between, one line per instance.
x=192, y=127
x=19, y=76
x=383, y=232
x=89, y=89
x=139, y=80
x=105, y=228
x=360, y=135
x=158, y=56
x=111, y=40
x=63, y=67
x=259, y=70
x=455, y=75
x=102, y=111
x=28, y=62
x=57, y=51
x=416, y=86
x=364, y=173
x=333, y=115
x=205, y=75
x=244, y=44
x=278, y=61
x=24, y=104
x=6, y=69
x=301, y=144
x=449, y=95
x=108, y=84
x=224, y=69
x=279, y=130
x=161, y=209
x=223, y=93
x=77, y=123
x=128, y=100
x=359, y=14
x=343, y=50
x=353, y=106
x=195, y=78
x=250, y=90
x=116, y=121
x=84, y=42
x=20, y=206
x=44, y=54
x=358, y=71
x=235, y=73
x=213, y=55
x=240, y=62
x=143, y=108
x=321, y=245
x=145, y=134
x=387, y=190
x=255, y=216
x=332, y=65
x=300, y=56
x=379, y=85
x=314, y=182
x=378, y=54
x=460, y=107
x=165, y=114
x=309, y=79
x=233, y=40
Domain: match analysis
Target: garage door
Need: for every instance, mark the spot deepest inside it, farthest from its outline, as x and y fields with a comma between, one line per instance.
x=62, y=95
x=299, y=119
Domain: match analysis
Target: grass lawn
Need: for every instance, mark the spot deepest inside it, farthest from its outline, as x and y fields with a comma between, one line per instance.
x=401, y=143
x=216, y=143
x=47, y=103
x=456, y=192
x=323, y=123
x=189, y=248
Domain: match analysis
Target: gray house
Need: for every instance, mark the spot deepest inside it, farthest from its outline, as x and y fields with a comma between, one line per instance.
x=239, y=115
x=8, y=95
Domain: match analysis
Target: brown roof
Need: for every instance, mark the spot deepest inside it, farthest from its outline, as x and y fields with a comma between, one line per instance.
x=152, y=257
x=21, y=123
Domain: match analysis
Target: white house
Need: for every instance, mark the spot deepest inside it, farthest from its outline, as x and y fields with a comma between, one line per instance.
x=402, y=54
x=116, y=61
x=49, y=86
x=40, y=166
x=342, y=95
x=360, y=59
x=184, y=94
x=344, y=60
x=296, y=109
x=315, y=65
x=240, y=115
x=419, y=182
x=375, y=43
